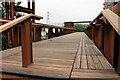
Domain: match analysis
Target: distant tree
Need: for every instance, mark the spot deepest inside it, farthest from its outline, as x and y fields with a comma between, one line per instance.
x=3, y=11
x=80, y=27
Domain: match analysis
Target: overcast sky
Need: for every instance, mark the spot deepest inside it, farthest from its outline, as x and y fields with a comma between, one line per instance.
x=67, y=10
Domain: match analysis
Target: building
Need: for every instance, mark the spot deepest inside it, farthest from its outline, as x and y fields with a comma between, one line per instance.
x=110, y=3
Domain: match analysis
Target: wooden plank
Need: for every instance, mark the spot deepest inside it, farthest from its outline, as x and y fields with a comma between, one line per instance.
x=91, y=64
x=95, y=74
x=78, y=57
x=88, y=52
x=77, y=61
x=54, y=58
x=106, y=65
x=97, y=63
x=83, y=47
x=84, y=62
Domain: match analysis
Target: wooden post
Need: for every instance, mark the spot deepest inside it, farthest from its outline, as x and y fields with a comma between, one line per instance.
x=40, y=37
x=98, y=37
x=14, y=31
x=33, y=8
x=64, y=31
x=19, y=37
x=93, y=31
x=118, y=68
x=8, y=38
x=7, y=17
x=109, y=40
x=12, y=9
x=50, y=33
x=116, y=64
x=36, y=31
x=7, y=10
x=26, y=34
x=56, y=32
x=37, y=34
x=61, y=32
x=15, y=36
x=28, y=4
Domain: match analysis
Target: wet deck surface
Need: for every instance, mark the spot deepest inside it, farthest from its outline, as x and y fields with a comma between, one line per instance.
x=69, y=56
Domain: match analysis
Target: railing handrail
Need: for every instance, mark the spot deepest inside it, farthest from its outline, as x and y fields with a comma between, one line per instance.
x=17, y=21
x=50, y=26
x=4, y=20
x=112, y=18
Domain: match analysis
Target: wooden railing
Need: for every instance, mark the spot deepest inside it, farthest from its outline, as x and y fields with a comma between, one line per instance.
x=13, y=36
x=18, y=21
x=26, y=35
x=104, y=30
x=59, y=30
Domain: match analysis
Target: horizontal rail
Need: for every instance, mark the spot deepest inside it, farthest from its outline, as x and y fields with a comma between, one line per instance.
x=79, y=22
x=17, y=21
x=45, y=25
x=22, y=9
x=49, y=26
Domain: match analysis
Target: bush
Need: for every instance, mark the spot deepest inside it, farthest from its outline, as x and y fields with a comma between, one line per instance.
x=80, y=27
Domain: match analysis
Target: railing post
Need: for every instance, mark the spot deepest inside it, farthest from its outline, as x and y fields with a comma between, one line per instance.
x=26, y=38
x=37, y=34
x=109, y=41
x=61, y=32
x=93, y=35
x=118, y=68
x=50, y=33
x=28, y=4
x=56, y=32
x=19, y=35
x=40, y=30
x=15, y=37
x=8, y=38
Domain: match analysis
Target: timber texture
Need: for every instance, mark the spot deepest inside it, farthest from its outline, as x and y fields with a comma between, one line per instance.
x=72, y=56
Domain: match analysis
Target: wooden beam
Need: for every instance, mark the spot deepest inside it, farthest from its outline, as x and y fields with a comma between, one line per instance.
x=21, y=9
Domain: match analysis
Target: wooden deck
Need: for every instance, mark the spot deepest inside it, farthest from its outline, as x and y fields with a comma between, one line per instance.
x=69, y=56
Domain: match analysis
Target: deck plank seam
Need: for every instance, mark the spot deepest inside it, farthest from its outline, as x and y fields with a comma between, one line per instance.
x=74, y=61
